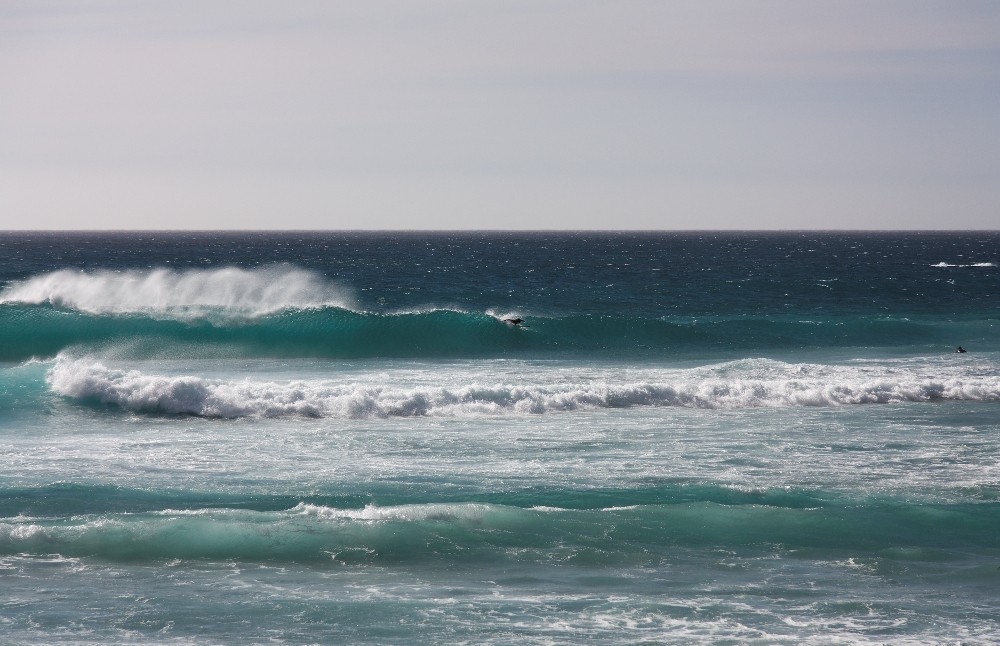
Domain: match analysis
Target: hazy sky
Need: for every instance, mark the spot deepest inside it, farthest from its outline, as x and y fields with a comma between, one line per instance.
x=509, y=114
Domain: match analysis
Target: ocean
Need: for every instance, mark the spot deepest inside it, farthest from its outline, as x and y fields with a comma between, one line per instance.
x=306, y=437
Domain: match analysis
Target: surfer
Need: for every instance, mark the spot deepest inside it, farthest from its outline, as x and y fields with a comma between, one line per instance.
x=514, y=322
x=960, y=350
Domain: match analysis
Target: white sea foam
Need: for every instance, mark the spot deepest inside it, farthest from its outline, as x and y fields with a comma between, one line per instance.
x=503, y=315
x=469, y=512
x=943, y=264
x=749, y=385
x=185, y=294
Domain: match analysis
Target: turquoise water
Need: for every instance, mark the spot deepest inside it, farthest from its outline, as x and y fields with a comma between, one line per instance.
x=306, y=438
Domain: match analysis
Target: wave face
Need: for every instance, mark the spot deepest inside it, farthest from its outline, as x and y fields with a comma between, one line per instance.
x=744, y=384
x=327, y=331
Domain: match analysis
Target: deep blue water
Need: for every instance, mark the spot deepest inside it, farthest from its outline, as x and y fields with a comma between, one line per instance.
x=336, y=437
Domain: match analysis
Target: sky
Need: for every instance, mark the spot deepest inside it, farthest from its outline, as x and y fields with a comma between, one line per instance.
x=507, y=114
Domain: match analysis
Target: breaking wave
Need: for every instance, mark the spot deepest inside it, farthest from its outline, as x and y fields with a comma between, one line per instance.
x=284, y=311
x=185, y=295
x=732, y=386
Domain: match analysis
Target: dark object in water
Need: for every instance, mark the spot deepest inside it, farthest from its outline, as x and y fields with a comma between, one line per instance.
x=961, y=349
x=519, y=321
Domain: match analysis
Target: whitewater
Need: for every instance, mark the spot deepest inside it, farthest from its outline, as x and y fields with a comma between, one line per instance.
x=750, y=384
x=336, y=437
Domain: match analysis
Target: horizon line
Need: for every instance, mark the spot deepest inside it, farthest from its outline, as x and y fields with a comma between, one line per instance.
x=452, y=231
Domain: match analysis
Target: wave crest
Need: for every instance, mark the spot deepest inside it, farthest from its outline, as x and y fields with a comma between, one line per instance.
x=193, y=293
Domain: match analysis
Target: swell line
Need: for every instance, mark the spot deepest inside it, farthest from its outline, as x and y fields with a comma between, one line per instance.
x=487, y=532
x=334, y=332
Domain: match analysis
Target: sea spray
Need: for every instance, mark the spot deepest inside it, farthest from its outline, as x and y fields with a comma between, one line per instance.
x=225, y=293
